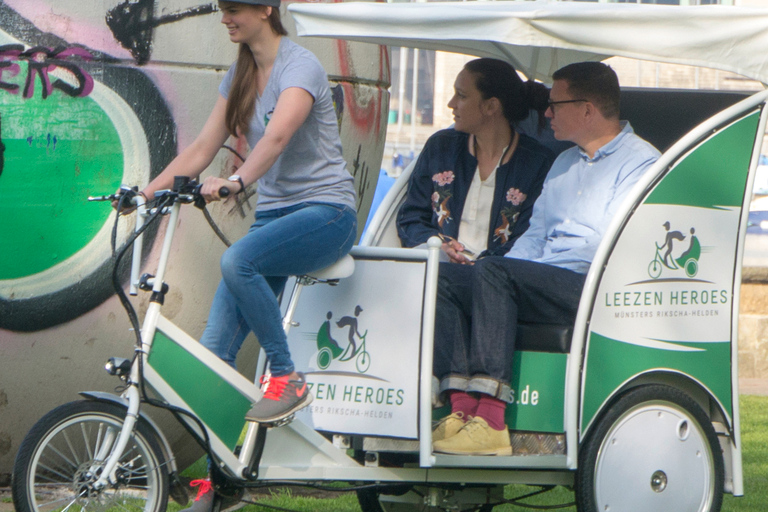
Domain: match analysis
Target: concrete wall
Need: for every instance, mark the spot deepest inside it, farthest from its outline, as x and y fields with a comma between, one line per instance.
x=94, y=93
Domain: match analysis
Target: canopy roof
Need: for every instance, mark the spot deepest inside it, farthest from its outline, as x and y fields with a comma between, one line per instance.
x=540, y=37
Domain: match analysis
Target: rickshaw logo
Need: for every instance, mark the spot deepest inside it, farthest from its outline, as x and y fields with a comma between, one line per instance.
x=330, y=350
x=688, y=260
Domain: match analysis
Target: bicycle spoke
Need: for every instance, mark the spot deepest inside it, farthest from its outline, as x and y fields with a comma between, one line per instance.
x=71, y=500
x=71, y=456
x=55, y=472
x=61, y=454
x=85, y=440
x=65, y=434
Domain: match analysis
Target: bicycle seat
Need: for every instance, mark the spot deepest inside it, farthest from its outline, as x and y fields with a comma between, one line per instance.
x=344, y=267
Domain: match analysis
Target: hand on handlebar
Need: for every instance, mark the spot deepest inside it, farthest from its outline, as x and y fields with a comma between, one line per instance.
x=212, y=189
x=129, y=204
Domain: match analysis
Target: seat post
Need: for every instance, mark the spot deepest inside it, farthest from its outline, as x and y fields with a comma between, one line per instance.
x=292, y=303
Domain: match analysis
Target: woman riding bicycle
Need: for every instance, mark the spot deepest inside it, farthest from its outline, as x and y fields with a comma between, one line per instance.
x=277, y=95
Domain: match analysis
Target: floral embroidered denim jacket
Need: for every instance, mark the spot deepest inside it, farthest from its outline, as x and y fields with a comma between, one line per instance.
x=440, y=182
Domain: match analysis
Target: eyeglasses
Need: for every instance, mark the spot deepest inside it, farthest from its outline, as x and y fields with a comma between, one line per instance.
x=551, y=104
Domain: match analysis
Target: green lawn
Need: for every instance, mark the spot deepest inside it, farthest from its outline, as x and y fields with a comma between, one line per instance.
x=754, y=431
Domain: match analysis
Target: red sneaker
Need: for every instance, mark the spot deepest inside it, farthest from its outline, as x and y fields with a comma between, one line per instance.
x=204, y=499
x=282, y=397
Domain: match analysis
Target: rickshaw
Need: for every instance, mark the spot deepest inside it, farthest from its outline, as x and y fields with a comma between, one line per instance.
x=329, y=349
x=687, y=261
x=635, y=406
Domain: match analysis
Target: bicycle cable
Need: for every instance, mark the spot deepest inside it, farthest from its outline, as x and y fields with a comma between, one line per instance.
x=118, y=255
x=511, y=501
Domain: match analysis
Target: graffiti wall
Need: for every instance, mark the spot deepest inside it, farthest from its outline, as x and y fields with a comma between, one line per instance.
x=95, y=93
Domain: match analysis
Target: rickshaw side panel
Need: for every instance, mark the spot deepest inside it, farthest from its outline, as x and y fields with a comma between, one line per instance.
x=649, y=312
x=368, y=382
x=538, y=393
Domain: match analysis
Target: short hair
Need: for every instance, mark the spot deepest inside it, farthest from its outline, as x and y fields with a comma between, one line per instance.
x=593, y=81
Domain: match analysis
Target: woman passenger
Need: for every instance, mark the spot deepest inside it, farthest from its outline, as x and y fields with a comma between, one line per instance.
x=474, y=185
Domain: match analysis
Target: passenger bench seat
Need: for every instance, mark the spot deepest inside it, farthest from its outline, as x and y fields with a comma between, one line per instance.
x=544, y=338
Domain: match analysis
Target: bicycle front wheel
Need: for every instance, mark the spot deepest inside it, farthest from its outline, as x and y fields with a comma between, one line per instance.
x=62, y=457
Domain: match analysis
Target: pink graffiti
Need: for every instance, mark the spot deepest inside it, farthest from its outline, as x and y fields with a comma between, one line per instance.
x=363, y=117
x=84, y=27
x=368, y=117
x=41, y=62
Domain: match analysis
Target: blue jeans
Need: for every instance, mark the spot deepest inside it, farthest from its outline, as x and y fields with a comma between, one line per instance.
x=478, y=308
x=282, y=242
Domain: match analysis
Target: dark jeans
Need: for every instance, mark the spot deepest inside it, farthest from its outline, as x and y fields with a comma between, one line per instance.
x=478, y=308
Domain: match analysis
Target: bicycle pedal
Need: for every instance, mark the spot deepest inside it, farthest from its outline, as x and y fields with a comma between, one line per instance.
x=281, y=423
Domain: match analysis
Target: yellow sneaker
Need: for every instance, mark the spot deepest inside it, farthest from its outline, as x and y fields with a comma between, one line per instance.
x=476, y=438
x=448, y=426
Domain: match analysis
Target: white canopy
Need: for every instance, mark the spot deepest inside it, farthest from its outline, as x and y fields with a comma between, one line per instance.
x=540, y=37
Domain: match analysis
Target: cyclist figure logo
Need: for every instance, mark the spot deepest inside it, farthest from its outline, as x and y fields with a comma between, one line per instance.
x=688, y=260
x=329, y=349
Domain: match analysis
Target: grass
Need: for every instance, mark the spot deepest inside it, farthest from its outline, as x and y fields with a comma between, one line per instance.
x=754, y=432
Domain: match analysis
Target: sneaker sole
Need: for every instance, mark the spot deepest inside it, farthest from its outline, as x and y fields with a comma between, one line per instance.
x=296, y=407
x=506, y=451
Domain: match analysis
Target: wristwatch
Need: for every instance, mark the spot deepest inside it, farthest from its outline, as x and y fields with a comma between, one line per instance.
x=238, y=179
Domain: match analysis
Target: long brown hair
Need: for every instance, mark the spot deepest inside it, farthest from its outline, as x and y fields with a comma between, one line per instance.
x=242, y=95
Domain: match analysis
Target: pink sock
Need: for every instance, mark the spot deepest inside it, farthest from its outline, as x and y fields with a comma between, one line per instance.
x=492, y=411
x=462, y=402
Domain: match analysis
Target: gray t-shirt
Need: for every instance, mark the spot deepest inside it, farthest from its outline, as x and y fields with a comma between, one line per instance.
x=311, y=168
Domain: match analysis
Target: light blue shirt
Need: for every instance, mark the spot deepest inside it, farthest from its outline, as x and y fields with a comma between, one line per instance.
x=579, y=199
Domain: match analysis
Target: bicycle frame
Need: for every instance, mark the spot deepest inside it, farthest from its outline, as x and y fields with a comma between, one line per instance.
x=224, y=418
x=189, y=377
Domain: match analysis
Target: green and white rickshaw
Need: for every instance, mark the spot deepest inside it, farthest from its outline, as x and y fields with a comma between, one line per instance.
x=636, y=405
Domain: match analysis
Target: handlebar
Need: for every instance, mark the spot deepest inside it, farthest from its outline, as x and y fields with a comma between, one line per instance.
x=185, y=191
x=189, y=193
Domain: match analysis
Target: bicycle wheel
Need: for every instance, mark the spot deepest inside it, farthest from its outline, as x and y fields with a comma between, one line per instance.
x=654, y=269
x=363, y=362
x=62, y=455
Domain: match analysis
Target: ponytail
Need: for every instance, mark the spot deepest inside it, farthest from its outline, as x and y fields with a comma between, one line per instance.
x=242, y=96
x=498, y=79
x=537, y=96
x=241, y=102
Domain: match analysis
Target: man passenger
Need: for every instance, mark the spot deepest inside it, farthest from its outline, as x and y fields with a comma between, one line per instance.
x=541, y=278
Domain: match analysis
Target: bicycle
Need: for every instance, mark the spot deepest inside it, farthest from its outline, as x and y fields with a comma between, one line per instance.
x=688, y=261
x=104, y=452
x=328, y=352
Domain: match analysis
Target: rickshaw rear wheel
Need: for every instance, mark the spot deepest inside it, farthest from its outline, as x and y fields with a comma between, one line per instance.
x=691, y=267
x=324, y=358
x=654, y=449
x=369, y=501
